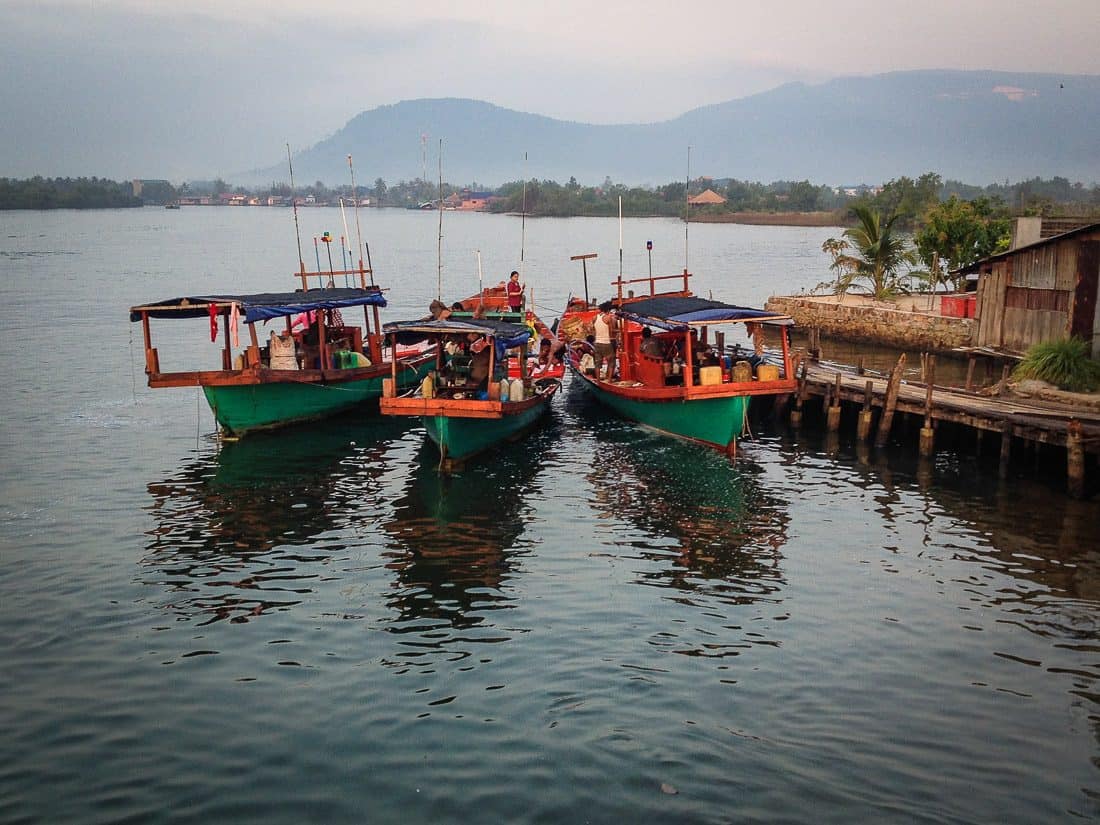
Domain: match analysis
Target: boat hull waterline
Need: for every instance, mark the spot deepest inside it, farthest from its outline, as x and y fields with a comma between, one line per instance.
x=243, y=408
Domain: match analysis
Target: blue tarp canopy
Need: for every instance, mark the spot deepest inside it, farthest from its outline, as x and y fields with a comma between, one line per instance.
x=262, y=306
x=505, y=335
x=678, y=313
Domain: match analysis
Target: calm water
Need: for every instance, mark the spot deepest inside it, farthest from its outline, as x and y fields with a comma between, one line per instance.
x=597, y=624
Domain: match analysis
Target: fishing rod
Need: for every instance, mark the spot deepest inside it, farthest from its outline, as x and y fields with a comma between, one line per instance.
x=294, y=203
x=343, y=216
x=480, y=289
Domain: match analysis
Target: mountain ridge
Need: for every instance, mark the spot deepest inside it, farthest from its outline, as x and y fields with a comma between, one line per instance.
x=974, y=126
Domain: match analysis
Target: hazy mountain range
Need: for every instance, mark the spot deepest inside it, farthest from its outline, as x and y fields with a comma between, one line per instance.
x=978, y=127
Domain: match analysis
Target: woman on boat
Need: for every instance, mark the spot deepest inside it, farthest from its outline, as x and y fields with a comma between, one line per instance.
x=515, y=292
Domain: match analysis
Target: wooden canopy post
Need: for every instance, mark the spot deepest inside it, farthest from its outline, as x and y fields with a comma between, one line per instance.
x=227, y=352
x=584, y=268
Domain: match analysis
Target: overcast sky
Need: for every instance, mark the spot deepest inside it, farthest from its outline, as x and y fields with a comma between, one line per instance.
x=188, y=89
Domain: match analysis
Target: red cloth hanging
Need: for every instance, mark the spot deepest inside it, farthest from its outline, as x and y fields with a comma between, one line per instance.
x=213, y=310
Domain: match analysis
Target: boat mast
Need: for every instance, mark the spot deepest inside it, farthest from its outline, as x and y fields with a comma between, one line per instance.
x=294, y=203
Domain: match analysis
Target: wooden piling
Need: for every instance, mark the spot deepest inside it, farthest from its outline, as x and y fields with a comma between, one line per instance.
x=890, y=403
x=927, y=434
x=970, y=373
x=863, y=428
x=1006, y=449
x=796, y=413
x=832, y=419
x=1075, y=460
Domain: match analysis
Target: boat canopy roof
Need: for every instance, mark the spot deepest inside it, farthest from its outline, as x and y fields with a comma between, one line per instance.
x=676, y=312
x=505, y=334
x=261, y=306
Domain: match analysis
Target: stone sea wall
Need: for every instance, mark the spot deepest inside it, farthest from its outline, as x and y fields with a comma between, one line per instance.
x=875, y=322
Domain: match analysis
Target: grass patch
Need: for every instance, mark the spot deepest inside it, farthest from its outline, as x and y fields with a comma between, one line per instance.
x=1065, y=364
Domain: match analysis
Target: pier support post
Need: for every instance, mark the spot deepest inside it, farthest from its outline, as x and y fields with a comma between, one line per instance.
x=832, y=418
x=796, y=413
x=890, y=402
x=1075, y=460
x=970, y=373
x=927, y=434
x=863, y=428
x=1006, y=449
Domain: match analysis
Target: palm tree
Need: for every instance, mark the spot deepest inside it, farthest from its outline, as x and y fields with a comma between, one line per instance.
x=880, y=252
x=842, y=265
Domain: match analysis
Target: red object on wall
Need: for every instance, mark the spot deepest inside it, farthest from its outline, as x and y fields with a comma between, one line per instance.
x=953, y=306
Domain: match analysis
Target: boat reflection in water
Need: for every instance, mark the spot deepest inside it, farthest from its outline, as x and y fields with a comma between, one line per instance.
x=455, y=543
x=236, y=532
x=711, y=533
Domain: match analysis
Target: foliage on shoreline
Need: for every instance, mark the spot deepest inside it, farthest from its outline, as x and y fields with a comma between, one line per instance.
x=1066, y=364
x=66, y=193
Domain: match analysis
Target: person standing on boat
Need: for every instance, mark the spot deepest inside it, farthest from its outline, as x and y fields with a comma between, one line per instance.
x=607, y=329
x=515, y=292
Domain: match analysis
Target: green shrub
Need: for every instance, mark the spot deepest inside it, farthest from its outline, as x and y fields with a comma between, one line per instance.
x=1066, y=364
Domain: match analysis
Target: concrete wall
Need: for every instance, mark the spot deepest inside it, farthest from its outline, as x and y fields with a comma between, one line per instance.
x=876, y=324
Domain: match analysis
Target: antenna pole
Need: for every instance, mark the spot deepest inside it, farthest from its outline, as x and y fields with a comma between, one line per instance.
x=358, y=231
x=620, y=242
x=294, y=203
x=439, y=244
x=687, y=208
x=523, y=220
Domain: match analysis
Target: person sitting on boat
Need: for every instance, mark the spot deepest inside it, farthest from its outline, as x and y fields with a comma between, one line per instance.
x=756, y=333
x=651, y=346
x=439, y=310
x=480, y=351
x=606, y=329
x=515, y=292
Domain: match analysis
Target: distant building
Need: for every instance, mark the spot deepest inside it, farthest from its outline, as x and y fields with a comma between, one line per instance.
x=707, y=197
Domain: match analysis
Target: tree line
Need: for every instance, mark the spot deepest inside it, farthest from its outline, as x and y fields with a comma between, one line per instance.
x=66, y=193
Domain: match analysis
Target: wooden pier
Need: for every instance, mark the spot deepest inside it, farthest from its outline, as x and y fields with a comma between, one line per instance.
x=1030, y=421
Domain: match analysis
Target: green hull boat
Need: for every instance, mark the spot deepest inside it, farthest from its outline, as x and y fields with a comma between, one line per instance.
x=460, y=438
x=244, y=408
x=716, y=421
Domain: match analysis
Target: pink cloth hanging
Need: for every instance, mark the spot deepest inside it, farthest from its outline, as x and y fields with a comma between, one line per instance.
x=234, y=317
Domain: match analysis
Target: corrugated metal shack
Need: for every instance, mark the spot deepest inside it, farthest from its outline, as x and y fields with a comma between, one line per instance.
x=1041, y=291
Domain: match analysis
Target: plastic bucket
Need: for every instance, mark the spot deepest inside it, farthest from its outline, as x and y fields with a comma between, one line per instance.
x=767, y=372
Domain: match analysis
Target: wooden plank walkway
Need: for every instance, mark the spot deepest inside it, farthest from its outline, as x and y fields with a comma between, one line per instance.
x=1033, y=420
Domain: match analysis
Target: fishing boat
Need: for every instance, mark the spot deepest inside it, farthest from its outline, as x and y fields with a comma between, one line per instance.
x=467, y=403
x=680, y=381
x=312, y=366
x=544, y=355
